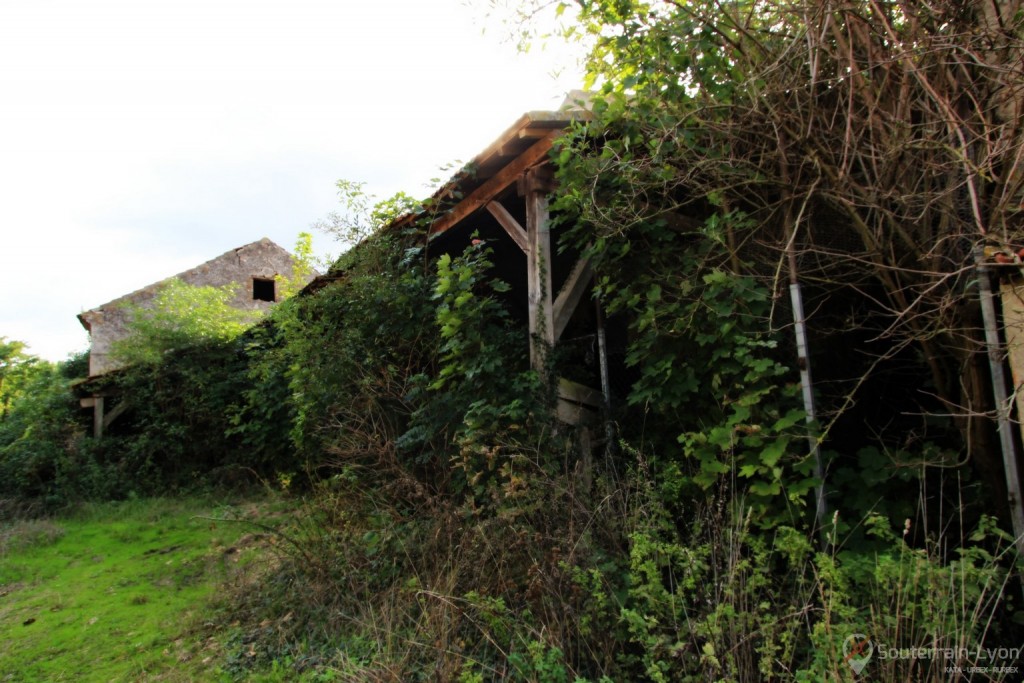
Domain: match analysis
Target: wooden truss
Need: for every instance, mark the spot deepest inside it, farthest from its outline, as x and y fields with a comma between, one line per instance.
x=520, y=159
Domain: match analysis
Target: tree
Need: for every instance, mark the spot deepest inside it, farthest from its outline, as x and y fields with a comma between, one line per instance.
x=364, y=214
x=303, y=267
x=16, y=369
x=37, y=420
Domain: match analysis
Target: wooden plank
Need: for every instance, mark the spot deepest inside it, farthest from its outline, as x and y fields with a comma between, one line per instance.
x=1012, y=293
x=569, y=298
x=490, y=189
x=538, y=276
x=579, y=393
x=509, y=223
x=574, y=413
x=87, y=402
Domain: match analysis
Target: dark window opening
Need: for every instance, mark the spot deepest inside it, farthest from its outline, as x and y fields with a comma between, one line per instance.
x=262, y=290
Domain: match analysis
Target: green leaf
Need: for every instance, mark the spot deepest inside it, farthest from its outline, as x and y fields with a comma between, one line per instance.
x=773, y=452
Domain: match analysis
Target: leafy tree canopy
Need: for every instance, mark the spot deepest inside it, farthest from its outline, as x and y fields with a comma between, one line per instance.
x=16, y=369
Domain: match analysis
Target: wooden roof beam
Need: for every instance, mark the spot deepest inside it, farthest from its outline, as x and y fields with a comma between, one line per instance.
x=479, y=197
x=532, y=133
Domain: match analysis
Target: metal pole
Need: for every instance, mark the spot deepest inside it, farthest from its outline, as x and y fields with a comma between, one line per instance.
x=804, y=362
x=806, y=388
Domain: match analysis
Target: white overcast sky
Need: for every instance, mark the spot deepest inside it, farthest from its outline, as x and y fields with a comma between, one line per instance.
x=139, y=138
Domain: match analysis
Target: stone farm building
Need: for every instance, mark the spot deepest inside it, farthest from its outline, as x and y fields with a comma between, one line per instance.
x=253, y=268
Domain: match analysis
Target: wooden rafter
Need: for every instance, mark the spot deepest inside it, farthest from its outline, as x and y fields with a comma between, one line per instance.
x=479, y=197
x=509, y=223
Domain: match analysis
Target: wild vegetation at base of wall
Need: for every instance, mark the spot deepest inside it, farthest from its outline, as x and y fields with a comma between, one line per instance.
x=455, y=532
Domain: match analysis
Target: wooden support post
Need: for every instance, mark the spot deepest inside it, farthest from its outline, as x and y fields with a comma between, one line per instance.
x=535, y=186
x=606, y=382
x=602, y=351
x=585, y=466
x=97, y=417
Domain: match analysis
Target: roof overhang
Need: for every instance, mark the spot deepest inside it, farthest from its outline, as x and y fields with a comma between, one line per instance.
x=523, y=145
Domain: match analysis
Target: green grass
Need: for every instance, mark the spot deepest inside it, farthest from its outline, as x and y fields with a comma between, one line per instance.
x=121, y=592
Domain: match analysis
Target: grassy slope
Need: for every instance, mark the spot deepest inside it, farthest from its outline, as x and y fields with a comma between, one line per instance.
x=118, y=592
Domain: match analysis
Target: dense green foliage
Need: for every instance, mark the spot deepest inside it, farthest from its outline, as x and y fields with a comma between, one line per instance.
x=38, y=425
x=15, y=371
x=829, y=144
x=456, y=531
x=303, y=268
x=172, y=435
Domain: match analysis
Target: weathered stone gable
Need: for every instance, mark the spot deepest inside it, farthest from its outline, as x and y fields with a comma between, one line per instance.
x=258, y=261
